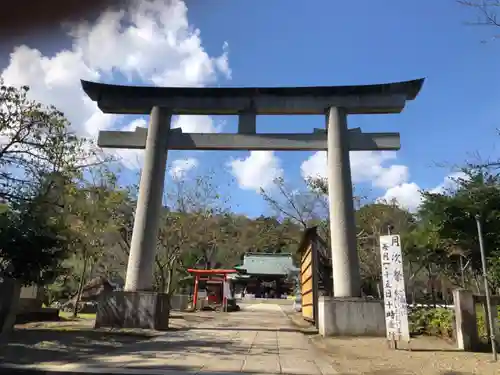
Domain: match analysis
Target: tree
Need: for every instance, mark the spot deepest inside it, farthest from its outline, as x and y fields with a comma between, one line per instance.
x=306, y=206
x=32, y=245
x=173, y=239
x=36, y=142
x=203, y=211
x=374, y=220
x=487, y=11
x=426, y=259
x=94, y=218
x=452, y=214
x=195, y=230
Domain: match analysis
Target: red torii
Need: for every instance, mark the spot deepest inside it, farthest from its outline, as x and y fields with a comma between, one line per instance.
x=198, y=273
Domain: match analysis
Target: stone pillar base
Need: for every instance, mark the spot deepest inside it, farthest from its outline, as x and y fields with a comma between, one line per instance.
x=146, y=310
x=351, y=317
x=465, y=329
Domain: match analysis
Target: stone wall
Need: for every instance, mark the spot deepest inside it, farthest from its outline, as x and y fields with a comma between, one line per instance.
x=146, y=310
x=179, y=302
x=351, y=317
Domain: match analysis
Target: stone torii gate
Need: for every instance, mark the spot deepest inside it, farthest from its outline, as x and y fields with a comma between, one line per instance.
x=335, y=102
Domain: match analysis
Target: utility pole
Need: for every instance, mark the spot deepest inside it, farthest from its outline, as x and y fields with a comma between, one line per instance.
x=486, y=288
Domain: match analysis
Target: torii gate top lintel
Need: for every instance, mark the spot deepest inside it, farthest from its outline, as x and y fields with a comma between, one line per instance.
x=358, y=99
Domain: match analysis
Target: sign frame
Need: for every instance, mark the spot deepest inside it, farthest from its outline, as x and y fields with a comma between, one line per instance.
x=393, y=281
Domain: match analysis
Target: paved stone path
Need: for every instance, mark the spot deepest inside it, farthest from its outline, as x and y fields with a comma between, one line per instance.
x=260, y=339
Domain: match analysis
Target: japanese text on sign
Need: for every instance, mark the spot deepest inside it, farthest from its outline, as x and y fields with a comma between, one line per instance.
x=396, y=309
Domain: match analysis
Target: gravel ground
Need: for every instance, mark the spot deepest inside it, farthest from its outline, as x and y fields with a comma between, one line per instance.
x=428, y=356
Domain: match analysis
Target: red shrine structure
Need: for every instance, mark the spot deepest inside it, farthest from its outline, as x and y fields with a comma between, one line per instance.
x=217, y=285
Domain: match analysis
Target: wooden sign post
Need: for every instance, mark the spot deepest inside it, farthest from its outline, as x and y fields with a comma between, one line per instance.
x=396, y=308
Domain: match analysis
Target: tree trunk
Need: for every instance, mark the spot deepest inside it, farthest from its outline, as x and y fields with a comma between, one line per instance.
x=81, y=284
x=411, y=282
x=160, y=275
x=433, y=287
x=162, y=280
x=169, y=285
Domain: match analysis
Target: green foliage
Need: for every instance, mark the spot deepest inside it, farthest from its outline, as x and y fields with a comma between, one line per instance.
x=40, y=161
x=374, y=220
x=440, y=321
x=451, y=215
x=36, y=142
x=31, y=246
x=482, y=319
x=431, y=321
x=62, y=288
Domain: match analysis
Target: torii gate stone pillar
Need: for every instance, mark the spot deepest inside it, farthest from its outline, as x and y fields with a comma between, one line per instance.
x=346, y=312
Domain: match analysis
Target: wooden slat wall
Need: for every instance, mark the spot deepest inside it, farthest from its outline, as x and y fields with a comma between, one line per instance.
x=307, y=285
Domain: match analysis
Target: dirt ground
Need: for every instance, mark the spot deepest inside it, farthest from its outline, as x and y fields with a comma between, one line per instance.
x=427, y=356
x=76, y=339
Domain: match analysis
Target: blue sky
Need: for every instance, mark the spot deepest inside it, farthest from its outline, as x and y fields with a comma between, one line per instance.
x=296, y=43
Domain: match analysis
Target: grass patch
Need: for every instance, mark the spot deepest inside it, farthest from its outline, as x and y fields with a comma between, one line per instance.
x=63, y=328
x=69, y=316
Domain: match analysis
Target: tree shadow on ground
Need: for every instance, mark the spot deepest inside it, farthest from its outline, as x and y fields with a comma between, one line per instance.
x=94, y=348
x=180, y=369
x=142, y=353
x=42, y=345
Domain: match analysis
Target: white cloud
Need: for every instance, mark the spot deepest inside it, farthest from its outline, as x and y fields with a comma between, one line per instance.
x=180, y=167
x=371, y=167
x=151, y=42
x=197, y=124
x=258, y=170
x=366, y=166
x=408, y=195
x=314, y=166
x=449, y=182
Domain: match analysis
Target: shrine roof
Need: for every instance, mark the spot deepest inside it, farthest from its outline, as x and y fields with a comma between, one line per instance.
x=267, y=264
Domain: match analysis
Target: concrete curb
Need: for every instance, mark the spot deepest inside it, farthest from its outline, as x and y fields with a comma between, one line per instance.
x=306, y=330
x=6, y=368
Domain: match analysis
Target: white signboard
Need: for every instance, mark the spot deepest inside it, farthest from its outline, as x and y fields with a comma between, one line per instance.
x=396, y=309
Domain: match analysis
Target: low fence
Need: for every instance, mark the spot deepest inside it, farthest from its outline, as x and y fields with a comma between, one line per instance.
x=430, y=306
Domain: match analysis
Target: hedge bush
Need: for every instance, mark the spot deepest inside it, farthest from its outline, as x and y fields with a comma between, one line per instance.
x=431, y=321
x=440, y=321
x=481, y=321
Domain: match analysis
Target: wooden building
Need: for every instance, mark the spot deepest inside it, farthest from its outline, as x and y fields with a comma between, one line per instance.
x=265, y=275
